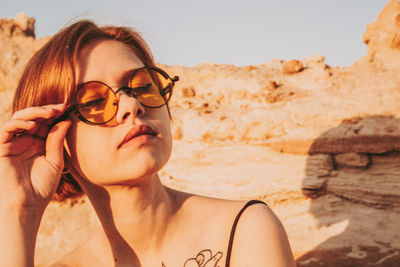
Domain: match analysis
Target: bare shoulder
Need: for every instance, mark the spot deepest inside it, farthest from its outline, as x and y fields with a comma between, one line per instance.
x=221, y=209
x=258, y=228
x=261, y=230
x=193, y=201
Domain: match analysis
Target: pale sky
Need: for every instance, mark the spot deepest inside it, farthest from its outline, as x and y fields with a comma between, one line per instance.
x=239, y=32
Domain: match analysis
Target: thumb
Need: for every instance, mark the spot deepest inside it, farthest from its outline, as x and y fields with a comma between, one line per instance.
x=55, y=143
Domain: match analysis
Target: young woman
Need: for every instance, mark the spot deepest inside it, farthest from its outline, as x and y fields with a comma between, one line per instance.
x=91, y=115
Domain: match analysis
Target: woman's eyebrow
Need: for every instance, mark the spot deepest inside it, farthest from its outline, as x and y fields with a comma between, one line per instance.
x=128, y=74
x=125, y=76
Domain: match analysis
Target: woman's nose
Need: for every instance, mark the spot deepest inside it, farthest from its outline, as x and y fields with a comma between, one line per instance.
x=128, y=107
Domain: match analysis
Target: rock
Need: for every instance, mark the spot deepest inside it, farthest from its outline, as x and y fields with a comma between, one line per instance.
x=377, y=134
x=250, y=67
x=314, y=187
x=319, y=165
x=270, y=86
x=352, y=160
x=293, y=66
x=377, y=186
x=383, y=36
x=22, y=26
x=188, y=92
x=17, y=44
x=318, y=168
x=26, y=23
x=234, y=115
x=177, y=132
x=314, y=60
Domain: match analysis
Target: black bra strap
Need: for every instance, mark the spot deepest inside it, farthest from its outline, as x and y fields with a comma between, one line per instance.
x=228, y=254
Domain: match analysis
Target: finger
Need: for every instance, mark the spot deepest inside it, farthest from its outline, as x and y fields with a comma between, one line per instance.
x=55, y=143
x=36, y=149
x=21, y=145
x=42, y=112
x=13, y=127
x=42, y=128
x=46, y=125
x=44, y=116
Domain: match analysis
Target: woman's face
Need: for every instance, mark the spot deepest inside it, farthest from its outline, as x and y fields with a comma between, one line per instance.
x=114, y=154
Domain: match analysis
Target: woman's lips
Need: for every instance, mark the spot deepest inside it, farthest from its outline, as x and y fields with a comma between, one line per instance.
x=137, y=131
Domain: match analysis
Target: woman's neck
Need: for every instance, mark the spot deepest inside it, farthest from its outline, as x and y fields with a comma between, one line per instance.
x=134, y=218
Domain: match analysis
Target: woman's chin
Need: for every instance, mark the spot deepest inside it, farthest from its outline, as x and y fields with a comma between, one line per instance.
x=130, y=177
x=130, y=170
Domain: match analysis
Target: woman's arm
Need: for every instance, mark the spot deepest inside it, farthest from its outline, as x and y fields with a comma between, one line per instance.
x=18, y=231
x=260, y=240
x=31, y=162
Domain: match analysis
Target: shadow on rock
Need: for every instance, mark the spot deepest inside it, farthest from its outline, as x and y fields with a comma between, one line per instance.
x=353, y=177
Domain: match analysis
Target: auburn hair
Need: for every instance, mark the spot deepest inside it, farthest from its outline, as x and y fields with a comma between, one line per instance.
x=49, y=76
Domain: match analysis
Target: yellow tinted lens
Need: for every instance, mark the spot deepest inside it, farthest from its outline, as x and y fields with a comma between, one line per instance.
x=146, y=84
x=96, y=102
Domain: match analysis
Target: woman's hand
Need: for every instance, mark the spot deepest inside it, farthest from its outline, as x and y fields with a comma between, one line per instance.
x=31, y=157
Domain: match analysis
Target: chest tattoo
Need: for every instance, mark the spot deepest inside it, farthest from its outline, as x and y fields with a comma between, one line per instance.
x=204, y=258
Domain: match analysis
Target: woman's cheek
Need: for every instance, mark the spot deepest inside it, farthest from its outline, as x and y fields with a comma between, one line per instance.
x=92, y=153
x=87, y=149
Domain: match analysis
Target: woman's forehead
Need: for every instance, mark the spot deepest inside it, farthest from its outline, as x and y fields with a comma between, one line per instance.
x=105, y=60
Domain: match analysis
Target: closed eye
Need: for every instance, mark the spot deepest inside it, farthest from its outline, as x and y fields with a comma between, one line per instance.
x=142, y=88
x=92, y=103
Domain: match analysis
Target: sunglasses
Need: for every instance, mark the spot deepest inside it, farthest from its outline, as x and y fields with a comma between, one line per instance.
x=95, y=102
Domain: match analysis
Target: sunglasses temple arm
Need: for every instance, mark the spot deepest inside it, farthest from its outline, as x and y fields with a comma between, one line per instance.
x=167, y=89
x=64, y=116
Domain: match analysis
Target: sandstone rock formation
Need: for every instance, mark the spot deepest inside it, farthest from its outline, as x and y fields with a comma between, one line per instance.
x=17, y=44
x=357, y=160
x=383, y=36
x=292, y=66
x=320, y=144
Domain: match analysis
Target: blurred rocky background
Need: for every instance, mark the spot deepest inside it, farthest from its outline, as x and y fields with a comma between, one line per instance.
x=319, y=144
